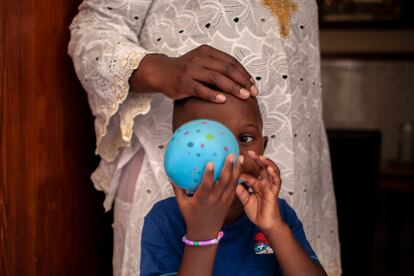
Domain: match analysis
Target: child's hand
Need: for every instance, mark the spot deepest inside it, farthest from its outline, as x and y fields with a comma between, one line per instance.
x=205, y=211
x=261, y=207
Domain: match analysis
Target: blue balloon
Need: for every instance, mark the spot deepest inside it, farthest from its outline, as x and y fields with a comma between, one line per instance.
x=192, y=146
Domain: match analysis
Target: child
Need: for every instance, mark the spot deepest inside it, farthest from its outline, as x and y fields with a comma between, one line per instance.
x=261, y=233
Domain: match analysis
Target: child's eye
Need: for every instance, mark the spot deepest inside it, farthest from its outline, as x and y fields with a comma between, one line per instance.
x=246, y=138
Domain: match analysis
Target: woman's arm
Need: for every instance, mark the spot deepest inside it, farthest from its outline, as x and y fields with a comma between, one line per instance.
x=105, y=50
x=110, y=63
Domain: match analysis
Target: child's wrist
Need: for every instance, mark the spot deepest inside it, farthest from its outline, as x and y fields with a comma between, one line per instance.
x=202, y=234
x=209, y=242
x=279, y=229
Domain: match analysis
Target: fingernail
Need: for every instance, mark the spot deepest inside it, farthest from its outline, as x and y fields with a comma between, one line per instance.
x=253, y=90
x=220, y=98
x=231, y=157
x=252, y=81
x=251, y=152
x=241, y=159
x=244, y=93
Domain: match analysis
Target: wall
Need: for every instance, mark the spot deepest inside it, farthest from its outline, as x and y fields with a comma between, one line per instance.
x=369, y=93
x=368, y=81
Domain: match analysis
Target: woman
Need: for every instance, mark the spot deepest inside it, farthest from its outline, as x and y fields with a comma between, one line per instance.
x=126, y=50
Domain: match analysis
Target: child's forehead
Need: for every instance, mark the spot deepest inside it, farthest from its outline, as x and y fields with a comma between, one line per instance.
x=234, y=109
x=232, y=104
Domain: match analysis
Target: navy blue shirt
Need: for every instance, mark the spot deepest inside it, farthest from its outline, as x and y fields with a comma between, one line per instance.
x=242, y=251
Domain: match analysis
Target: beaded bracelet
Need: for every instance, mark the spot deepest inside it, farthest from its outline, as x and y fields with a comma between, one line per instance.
x=203, y=243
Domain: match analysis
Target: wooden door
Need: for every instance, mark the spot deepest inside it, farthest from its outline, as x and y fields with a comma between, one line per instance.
x=51, y=218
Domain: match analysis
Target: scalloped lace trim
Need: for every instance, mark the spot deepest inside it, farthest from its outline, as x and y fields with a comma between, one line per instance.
x=111, y=136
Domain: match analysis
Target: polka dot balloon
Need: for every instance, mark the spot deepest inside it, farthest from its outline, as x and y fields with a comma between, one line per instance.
x=192, y=146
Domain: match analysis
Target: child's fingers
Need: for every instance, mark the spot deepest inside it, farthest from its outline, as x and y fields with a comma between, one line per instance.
x=263, y=162
x=226, y=175
x=253, y=154
x=264, y=175
x=235, y=178
x=251, y=181
x=276, y=181
x=242, y=194
x=269, y=197
x=256, y=158
x=207, y=183
x=269, y=163
x=237, y=170
x=179, y=194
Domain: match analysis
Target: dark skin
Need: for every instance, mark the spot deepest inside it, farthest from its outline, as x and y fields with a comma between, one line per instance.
x=194, y=74
x=223, y=202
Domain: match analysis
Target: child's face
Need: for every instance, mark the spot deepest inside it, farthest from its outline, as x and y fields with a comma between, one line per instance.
x=242, y=117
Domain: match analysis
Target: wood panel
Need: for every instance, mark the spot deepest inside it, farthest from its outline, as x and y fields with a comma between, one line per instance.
x=52, y=222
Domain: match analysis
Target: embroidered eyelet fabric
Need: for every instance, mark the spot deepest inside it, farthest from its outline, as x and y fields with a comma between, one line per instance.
x=277, y=42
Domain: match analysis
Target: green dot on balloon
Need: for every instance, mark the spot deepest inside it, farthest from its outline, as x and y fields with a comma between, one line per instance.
x=209, y=136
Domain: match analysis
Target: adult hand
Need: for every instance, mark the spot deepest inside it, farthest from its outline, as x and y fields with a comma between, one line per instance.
x=203, y=72
x=205, y=211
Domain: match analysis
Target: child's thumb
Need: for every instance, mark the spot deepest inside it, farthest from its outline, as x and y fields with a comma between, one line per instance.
x=242, y=194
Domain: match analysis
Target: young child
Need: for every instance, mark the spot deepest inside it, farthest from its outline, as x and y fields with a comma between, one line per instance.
x=261, y=233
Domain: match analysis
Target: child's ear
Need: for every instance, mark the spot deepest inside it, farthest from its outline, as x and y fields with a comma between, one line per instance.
x=265, y=139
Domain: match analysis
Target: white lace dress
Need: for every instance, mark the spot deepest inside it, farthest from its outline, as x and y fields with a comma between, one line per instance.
x=277, y=42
